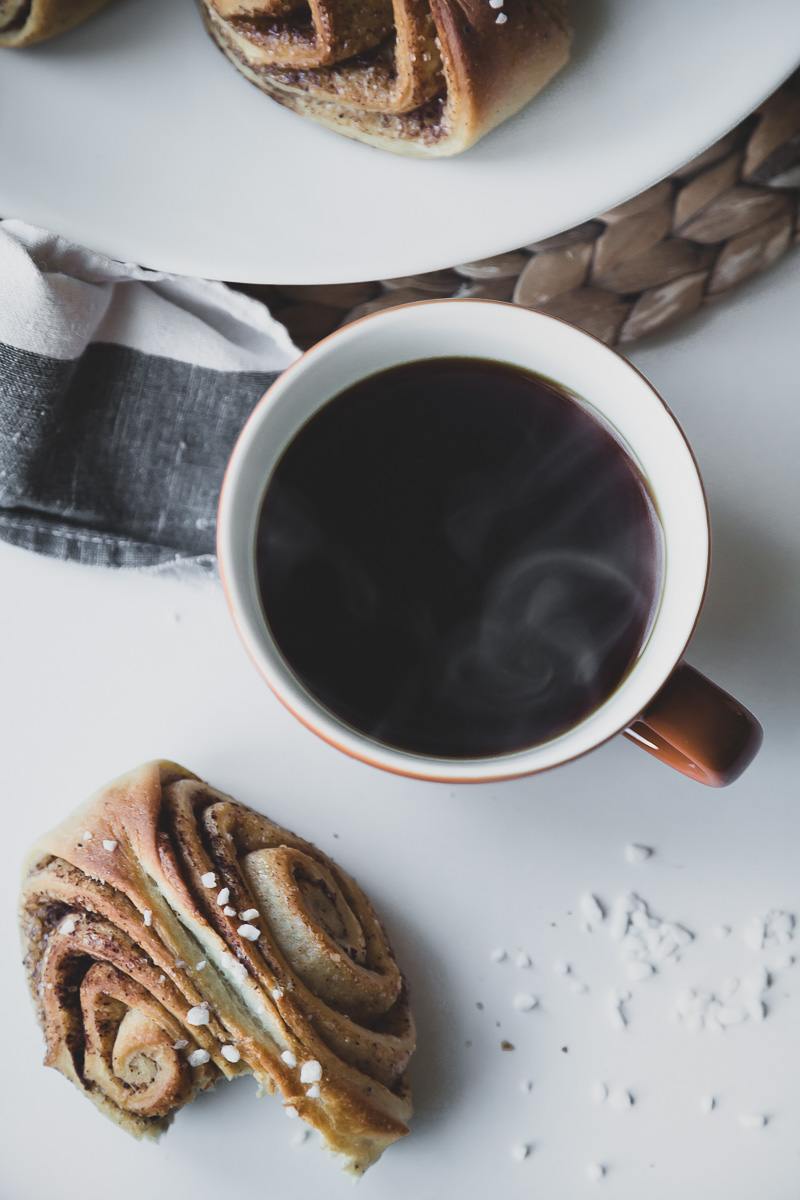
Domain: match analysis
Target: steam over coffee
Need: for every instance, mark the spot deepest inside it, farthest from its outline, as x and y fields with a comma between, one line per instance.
x=457, y=559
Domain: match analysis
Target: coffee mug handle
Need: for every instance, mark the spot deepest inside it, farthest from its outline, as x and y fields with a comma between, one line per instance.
x=697, y=728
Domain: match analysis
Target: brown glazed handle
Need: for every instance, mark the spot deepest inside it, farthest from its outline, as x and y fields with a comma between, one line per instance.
x=695, y=727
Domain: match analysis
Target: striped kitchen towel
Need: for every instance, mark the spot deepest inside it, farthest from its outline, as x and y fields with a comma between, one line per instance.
x=122, y=392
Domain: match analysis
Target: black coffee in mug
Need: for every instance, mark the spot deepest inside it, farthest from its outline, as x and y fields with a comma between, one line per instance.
x=457, y=558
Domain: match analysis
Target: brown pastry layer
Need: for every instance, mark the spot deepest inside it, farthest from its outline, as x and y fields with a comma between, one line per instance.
x=173, y=936
x=24, y=22
x=428, y=77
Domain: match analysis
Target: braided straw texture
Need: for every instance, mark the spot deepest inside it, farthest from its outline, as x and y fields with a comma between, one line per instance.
x=728, y=214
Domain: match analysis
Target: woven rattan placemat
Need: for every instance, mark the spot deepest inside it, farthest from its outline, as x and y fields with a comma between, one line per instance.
x=728, y=214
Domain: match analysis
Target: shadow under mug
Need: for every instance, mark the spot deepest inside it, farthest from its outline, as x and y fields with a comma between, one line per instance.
x=663, y=704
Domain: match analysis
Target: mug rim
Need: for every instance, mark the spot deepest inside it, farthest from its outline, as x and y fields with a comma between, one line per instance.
x=420, y=766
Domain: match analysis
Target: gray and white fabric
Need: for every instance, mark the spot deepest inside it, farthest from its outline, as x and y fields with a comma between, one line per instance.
x=122, y=392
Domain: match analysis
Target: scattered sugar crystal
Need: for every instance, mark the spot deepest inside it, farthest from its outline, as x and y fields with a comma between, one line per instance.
x=289, y=1058
x=523, y=960
x=249, y=914
x=721, y=931
x=520, y=1152
x=201, y=966
x=599, y=1092
x=578, y=987
x=635, y=852
x=757, y=981
x=87, y=835
x=501, y=19
x=291, y=1111
x=250, y=932
x=301, y=1137
x=595, y=1172
x=198, y=1057
x=499, y=955
x=313, y=1092
x=637, y=971
x=524, y=1002
x=147, y=917
x=561, y=968
x=752, y=1120
x=707, y=1104
x=495, y=3
x=311, y=1071
x=231, y=1054
x=229, y=910
x=223, y=896
x=526, y=1086
x=620, y=1099
x=592, y=910
x=277, y=993
x=181, y=1044
x=68, y=924
x=109, y=844
x=198, y=1015
x=209, y=879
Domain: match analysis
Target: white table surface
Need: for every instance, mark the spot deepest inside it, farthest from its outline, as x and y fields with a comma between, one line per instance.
x=101, y=670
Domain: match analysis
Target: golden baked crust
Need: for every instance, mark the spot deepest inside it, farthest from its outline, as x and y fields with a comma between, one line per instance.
x=116, y=916
x=23, y=22
x=445, y=75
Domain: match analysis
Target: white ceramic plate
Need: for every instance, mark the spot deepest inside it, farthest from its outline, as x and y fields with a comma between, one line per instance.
x=135, y=136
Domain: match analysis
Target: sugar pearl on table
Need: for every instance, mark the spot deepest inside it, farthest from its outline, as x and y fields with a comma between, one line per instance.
x=707, y=1104
x=198, y=1015
x=181, y=1044
x=520, y=1152
x=752, y=1120
x=592, y=910
x=250, y=932
x=198, y=1057
x=231, y=1054
x=635, y=852
x=311, y=1071
x=208, y=879
x=147, y=917
x=595, y=1172
x=109, y=844
x=524, y=1002
x=523, y=960
x=288, y=1058
x=313, y=1092
x=498, y=955
x=250, y=914
x=223, y=896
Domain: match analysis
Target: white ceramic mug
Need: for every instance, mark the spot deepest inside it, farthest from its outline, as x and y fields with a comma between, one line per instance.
x=663, y=704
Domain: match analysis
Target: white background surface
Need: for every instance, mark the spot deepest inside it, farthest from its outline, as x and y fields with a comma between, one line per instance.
x=102, y=670
x=135, y=136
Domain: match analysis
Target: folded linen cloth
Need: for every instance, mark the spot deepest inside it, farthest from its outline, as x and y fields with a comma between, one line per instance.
x=122, y=392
